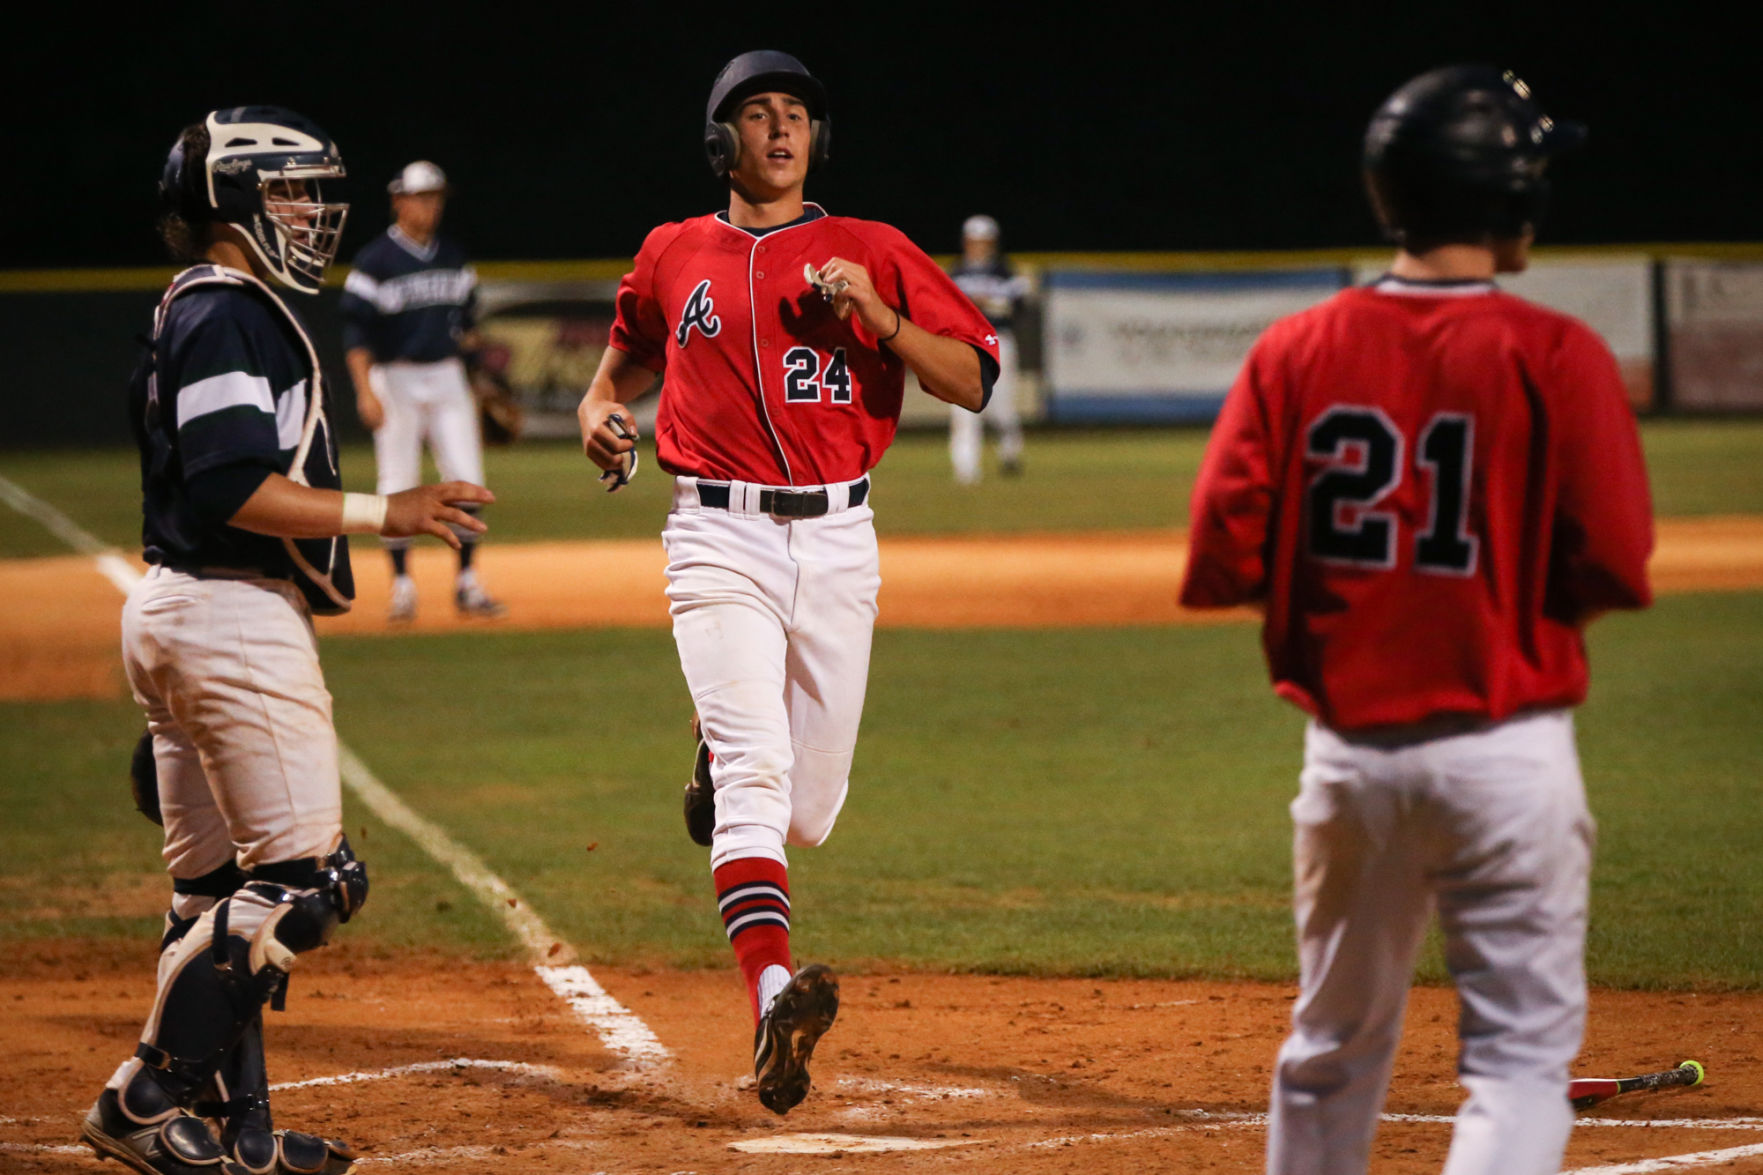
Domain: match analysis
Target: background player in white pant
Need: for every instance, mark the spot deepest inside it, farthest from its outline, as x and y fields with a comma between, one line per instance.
x=241, y=518
x=986, y=276
x=1432, y=486
x=785, y=334
x=408, y=310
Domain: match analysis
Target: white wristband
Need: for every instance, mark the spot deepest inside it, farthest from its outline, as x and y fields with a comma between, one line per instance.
x=364, y=513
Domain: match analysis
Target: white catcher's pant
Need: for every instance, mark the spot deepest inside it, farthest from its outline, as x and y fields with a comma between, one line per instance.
x=967, y=429
x=1491, y=826
x=773, y=620
x=227, y=670
x=429, y=402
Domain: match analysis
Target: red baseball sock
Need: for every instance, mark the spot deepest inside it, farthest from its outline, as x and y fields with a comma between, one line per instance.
x=754, y=896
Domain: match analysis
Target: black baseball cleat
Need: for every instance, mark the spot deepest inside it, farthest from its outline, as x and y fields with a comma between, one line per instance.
x=787, y=1034
x=700, y=794
x=175, y=1142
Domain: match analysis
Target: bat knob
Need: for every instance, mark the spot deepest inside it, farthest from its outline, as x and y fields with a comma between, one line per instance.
x=1695, y=1066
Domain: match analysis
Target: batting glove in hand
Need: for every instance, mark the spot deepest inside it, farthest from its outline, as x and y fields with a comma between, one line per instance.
x=627, y=466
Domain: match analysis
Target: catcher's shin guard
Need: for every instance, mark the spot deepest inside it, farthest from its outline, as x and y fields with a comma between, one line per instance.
x=248, y=1134
x=215, y=979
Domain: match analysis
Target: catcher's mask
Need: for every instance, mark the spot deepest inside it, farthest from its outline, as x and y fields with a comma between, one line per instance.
x=264, y=174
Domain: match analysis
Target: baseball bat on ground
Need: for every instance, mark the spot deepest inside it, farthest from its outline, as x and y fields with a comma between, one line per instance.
x=1584, y=1092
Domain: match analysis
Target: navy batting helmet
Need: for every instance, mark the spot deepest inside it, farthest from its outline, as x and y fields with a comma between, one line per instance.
x=755, y=73
x=1458, y=154
x=254, y=156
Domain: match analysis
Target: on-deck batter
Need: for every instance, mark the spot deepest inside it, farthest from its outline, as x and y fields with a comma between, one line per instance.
x=1433, y=486
x=409, y=309
x=785, y=334
x=242, y=518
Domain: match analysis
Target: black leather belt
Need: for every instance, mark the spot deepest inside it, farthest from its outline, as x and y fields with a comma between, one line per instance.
x=781, y=503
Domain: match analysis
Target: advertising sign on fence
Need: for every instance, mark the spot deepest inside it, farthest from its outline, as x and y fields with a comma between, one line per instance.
x=1714, y=316
x=1160, y=346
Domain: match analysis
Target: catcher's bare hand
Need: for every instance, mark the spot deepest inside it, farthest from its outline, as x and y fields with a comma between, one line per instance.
x=609, y=438
x=371, y=411
x=434, y=509
x=854, y=292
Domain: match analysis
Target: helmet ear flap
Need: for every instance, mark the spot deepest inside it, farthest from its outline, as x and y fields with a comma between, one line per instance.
x=722, y=147
x=820, y=141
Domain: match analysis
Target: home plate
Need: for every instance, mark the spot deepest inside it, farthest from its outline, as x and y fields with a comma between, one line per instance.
x=850, y=1144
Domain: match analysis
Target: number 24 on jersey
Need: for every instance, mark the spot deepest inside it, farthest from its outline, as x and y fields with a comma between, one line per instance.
x=810, y=376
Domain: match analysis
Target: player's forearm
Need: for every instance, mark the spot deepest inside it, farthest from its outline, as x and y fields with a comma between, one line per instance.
x=948, y=369
x=360, y=363
x=286, y=509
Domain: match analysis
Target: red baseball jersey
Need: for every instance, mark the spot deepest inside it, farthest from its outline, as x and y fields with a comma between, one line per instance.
x=1431, y=488
x=763, y=382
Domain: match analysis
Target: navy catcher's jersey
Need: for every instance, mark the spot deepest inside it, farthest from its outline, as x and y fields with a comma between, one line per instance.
x=233, y=386
x=994, y=287
x=409, y=302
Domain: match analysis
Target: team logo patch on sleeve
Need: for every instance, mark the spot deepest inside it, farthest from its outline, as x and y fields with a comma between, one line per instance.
x=700, y=311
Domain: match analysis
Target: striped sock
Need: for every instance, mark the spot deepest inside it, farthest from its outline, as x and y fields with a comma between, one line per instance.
x=754, y=896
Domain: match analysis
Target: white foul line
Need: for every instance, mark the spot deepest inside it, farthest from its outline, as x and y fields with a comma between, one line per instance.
x=1672, y=1162
x=618, y=1027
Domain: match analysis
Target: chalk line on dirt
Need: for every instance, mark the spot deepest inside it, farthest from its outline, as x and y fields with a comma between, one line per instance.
x=617, y=1026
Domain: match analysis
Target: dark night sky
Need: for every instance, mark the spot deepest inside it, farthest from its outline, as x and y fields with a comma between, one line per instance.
x=570, y=133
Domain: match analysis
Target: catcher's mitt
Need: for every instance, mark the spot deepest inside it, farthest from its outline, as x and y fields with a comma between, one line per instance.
x=144, y=779
x=498, y=409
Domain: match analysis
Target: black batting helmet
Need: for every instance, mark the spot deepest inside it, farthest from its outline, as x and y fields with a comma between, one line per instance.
x=756, y=73
x=1458, y=154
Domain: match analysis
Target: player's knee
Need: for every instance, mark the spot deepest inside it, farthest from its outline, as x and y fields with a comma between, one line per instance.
x=309, y=897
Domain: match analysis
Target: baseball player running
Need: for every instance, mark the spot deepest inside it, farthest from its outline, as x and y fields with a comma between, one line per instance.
x=1432, y=487
x=987, y=277
x=785, y=334
x=242, y=518
x=408, y=309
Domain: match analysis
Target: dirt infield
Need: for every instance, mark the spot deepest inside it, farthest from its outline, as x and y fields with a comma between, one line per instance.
x=478, y=1068
x=59, y=639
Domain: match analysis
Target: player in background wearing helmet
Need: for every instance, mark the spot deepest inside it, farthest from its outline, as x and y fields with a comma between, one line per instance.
x=408, y=311
x=242, y=521
x=987, y=277
x=1431, y=487
x=785, y=334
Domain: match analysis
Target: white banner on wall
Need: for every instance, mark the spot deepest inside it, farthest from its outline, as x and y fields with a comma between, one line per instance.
x=1611, y=293
x=1160, y=346
x=1714, y=313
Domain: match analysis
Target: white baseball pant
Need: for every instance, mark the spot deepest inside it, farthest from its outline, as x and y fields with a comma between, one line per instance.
x=1491, y=826
x=967, y=429
x=227, y=670
x=773, y=620
x=429, y=402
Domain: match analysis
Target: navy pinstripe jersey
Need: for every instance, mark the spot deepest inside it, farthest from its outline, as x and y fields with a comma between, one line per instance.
x=404, y=301
x=231, y=395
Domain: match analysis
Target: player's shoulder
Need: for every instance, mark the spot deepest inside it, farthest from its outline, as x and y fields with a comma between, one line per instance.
x=874, y=233
x=376, y=254
x=211, y=301
x=676, y=233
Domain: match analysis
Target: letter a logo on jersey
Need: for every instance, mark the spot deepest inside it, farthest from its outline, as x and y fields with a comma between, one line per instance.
x=700, y=312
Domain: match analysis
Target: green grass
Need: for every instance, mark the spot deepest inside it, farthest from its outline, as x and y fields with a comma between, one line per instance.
x=1064, y=802
x=1074, y=480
